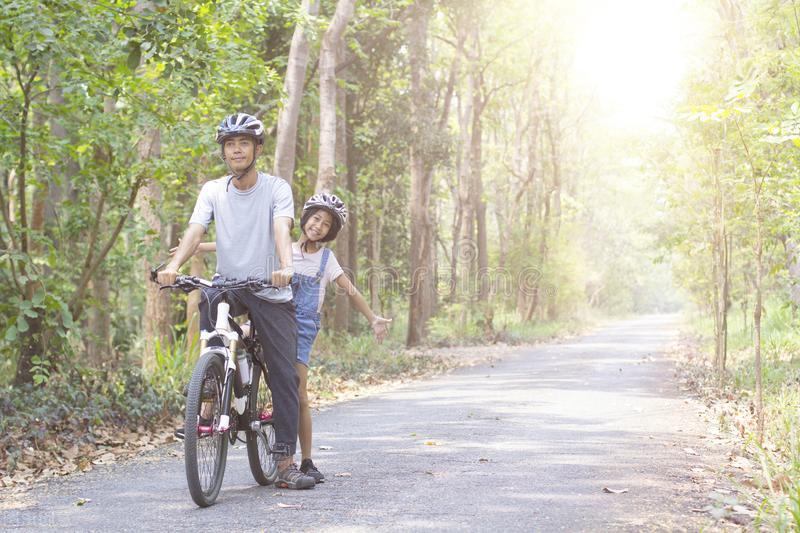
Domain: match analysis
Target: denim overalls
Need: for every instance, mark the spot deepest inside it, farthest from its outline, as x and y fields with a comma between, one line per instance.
x=306, y=301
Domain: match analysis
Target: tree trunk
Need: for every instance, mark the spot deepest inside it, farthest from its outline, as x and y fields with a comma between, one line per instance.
x=344, y=253
x=720, y=272
x=31, y=344
x=293, y=86
x=421, y=250
x=464, y=244
x=757, y=309
x=57, y=192
x=374, y=280
x=156, y=319
x=196, y=268
x=98, y=338
x=476, y=190
x=326, y=176
x=543, y=251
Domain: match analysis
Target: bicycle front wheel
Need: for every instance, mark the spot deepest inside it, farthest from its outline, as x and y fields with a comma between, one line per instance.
x=206, y=449
x=261, y=434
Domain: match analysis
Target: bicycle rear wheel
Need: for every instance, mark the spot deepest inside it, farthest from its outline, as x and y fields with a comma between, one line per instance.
x=261, y=437
x=206, y=449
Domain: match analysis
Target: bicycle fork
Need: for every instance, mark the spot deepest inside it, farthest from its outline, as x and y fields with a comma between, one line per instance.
x=229, y=339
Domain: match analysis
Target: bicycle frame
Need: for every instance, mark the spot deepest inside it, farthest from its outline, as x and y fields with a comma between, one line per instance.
x=230, y=339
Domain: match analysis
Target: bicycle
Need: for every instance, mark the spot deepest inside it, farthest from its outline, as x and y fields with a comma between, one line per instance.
x=228, y=393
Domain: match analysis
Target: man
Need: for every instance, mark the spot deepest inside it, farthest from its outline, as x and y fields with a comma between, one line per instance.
x=253, y=213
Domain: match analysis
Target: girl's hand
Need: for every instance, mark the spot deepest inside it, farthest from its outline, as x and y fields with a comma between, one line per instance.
x=200, y=248
x=380, y=326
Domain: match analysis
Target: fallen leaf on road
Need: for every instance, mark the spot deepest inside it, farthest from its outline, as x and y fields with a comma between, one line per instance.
x=742, y=463
x=689, y=451
x=614, y=491
x=82, y=501
x=343, y=474
x=741, y=509
x=105, y=459
x=431, y=443
x=325, y=448
x=483, y=460
x=290, y=505
x=71, y=453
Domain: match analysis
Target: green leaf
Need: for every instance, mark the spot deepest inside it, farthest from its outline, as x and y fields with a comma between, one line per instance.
x=134, y=57
x=22, y=324
x=38, y=297
x=66, y=316
x=11, y=334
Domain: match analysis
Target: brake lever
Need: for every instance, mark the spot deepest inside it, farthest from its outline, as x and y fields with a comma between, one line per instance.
x=154, y=272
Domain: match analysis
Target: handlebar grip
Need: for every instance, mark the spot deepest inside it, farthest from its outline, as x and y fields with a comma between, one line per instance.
x=154, y=272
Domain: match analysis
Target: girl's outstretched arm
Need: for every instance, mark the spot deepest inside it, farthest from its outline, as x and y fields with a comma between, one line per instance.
x=201, y=248
x=380, y=325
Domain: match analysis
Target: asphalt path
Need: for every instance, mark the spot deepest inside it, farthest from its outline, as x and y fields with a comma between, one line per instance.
x=527, y=443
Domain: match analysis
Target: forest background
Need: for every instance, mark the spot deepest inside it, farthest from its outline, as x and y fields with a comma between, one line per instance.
x=512, y=169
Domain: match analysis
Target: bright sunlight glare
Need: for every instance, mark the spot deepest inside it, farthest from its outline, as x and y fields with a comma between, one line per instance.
x=633, y=54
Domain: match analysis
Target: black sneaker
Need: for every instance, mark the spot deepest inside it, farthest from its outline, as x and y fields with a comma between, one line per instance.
x=307, y=467
x=292, y=478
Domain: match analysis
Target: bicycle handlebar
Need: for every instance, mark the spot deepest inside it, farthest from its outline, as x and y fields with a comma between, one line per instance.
x=190, y=283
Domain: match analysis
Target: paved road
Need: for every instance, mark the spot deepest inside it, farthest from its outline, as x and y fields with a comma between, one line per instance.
x=527, y=444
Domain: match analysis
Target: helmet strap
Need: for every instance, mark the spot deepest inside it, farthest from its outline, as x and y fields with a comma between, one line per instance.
x=233, y=173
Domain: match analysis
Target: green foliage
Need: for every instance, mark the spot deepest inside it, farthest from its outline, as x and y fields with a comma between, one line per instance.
x=174, y=362
x=779, y=458
x=82, y=85
x=459, y=324
x=76, y=401
x=360, y=359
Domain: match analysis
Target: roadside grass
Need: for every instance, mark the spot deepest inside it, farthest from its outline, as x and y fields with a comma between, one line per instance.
x=456, y=325
x=778, y=456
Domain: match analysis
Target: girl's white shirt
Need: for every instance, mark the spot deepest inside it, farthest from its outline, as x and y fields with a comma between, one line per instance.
x=308, y=263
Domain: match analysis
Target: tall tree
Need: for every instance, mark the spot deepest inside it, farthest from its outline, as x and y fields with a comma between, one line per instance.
x=288, y=116
x=326, y=174
x=421, y=249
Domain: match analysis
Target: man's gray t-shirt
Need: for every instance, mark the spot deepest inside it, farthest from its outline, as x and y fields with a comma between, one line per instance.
x=245, y=228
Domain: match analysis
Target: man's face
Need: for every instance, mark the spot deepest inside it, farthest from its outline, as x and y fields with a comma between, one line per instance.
x=239, y=151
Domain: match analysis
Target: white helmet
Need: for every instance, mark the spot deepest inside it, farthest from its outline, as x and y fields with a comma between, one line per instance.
x=330, y=203
x=240, y=124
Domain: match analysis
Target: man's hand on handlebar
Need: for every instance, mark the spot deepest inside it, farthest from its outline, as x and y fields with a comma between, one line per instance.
x=282, y=277
x=167, y=275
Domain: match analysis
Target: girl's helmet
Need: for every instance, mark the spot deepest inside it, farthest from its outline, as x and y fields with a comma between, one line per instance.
x=330, y=203
x=240, y=124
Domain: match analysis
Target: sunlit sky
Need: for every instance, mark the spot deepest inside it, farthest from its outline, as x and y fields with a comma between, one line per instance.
x=633, y=54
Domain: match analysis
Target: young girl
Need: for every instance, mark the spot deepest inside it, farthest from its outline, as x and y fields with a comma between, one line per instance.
x=315, y=266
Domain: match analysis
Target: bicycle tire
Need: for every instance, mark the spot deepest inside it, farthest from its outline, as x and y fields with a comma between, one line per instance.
x=205, y=455
x=260, y=441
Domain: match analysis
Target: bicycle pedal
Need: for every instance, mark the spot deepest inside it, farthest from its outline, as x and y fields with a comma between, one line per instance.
x=179, y=434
